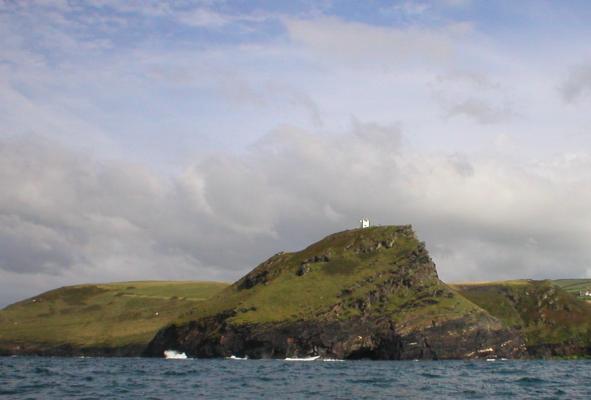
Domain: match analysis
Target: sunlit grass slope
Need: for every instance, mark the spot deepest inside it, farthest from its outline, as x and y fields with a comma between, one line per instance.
x=101, y=315
x=374, y=272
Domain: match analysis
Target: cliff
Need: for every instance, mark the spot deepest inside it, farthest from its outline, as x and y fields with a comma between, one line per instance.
x=553, y=322
x=364, y=293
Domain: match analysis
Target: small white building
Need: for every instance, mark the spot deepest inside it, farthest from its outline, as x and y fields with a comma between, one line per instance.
x=364, y=223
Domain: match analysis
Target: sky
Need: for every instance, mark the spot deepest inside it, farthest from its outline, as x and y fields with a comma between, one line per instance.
x=194, y=139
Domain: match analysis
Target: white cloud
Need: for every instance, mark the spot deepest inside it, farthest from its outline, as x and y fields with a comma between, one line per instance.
x=488, y=168
x=68, y=216
x=362, y=44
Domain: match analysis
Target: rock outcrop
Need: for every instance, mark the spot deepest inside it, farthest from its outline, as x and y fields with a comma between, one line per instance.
x=552, y=322
x=366, y=293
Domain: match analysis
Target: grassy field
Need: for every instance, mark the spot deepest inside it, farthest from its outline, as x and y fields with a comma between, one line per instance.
x=101, y=315
x=574, y=286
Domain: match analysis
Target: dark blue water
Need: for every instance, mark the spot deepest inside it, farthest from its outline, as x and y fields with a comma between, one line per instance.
x=125, y=378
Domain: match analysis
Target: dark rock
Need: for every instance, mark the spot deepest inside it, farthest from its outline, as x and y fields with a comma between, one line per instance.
x=303, y=269
x=351, y=339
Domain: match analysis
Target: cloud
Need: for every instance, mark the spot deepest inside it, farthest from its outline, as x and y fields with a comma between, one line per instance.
x=71, y=218
x=474, y=96
x=362, y=44
x=408, y=8
x=431, y=120
x=479, y=110
x=578, y=84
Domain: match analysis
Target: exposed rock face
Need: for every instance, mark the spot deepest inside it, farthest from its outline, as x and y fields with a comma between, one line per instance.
x=352, y=339
x=69, y=350
x=372, y=293
x=553, y=322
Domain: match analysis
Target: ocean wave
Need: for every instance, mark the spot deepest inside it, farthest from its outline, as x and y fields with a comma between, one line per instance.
x=312, y=358
x=233, y=357
x=174, y=355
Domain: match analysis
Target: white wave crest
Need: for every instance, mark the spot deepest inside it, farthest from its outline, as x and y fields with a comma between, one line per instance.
x=313, y=358
x=174, y=355
x=233, y=357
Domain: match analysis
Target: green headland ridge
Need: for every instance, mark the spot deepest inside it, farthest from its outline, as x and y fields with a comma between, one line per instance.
x=361, y=293
x=102, y=319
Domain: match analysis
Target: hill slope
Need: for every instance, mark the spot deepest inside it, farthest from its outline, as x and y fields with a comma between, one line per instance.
x=116, y=318
x=575, y=286
x=364, y=293
x=552, y=321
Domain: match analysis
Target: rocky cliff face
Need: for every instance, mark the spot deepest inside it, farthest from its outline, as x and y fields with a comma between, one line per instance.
x=553, y=322
x=356, y=338
x=366, y=293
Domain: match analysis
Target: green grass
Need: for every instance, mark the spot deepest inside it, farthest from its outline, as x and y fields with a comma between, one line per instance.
x=356, y=265
x=541, y=310
x=574, y=286
x=115, y=314
x=376, y=272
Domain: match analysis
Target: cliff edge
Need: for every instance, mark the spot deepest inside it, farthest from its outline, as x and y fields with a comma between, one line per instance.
x=363, y=293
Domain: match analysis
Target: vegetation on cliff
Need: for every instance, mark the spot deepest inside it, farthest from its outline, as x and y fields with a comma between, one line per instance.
x=116, y=317
x=552, y=321
x=361, y=272
x=379, y=279
x=359, y=293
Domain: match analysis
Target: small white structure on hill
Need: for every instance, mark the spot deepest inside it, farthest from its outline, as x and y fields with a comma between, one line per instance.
x=364, y=223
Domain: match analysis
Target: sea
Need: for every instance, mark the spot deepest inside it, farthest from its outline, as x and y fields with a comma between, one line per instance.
x=144, y=378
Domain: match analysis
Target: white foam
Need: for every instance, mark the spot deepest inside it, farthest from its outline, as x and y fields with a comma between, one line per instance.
x=174, y=355
x=233, y=357
x=332, y=360
x=313, y=358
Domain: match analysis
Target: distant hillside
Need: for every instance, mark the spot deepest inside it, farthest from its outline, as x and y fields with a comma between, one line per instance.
x=552, y=321
x=117, y=318
x=362, y=293
x=575, y=286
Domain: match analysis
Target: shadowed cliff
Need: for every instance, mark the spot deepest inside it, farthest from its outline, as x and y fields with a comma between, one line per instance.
x=553, y=322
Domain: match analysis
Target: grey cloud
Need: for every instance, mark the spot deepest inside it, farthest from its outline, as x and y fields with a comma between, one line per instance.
x=27, y=247
x=480, y=111
x=578, y=84
x=461, y=164
x=71, y=218
x=474, y=96
x=377, y=135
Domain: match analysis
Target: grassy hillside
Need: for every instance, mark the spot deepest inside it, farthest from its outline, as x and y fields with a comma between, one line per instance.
x=574, y=286
x=102, y=315
x=371, y=272
x=541, y=310
x=362, y=293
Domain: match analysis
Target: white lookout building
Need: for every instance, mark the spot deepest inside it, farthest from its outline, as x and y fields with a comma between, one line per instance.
x=364, y=223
